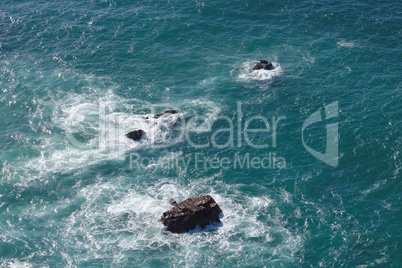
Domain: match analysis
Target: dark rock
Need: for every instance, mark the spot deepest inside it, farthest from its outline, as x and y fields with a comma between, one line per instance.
x=190, y=213
x=166, y=112
x=135, y=135
x=172, y=202
x=263, y=65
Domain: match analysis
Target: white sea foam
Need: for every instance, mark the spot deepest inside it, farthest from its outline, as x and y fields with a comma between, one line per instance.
x=94, y=124
x=113, y=218
x=204, y=110
x=246, y=72
x=127, y=221
x=15, y=264
x=344, y=43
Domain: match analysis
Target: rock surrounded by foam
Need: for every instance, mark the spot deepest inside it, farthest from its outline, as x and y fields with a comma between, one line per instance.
x=136, y=134
x=156, y=116
x=190, y=213
x=166, y=112
x=263, y=65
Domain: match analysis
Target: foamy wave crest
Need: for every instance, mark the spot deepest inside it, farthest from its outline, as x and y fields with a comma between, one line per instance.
x=91, y=127
x=247, y=73
x=104, y=123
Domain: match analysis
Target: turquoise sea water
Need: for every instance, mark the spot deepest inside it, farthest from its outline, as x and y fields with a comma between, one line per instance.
x=77, y=75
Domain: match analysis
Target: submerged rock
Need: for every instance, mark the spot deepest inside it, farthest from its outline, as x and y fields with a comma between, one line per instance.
x=166, y=112
x=263, y=65
x=172, y=202
x=136, y=134
x=190, y=213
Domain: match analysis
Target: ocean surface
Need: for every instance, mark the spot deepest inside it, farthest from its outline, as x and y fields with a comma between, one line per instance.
x=304, y=160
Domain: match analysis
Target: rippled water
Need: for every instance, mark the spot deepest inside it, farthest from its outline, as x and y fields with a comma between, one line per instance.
x=76, y=76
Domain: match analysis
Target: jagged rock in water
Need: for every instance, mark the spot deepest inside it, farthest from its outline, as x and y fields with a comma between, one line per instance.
x=136, y=134
x=263, y=65
x=166, y=112
x=172, y=202
x=190, y=213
